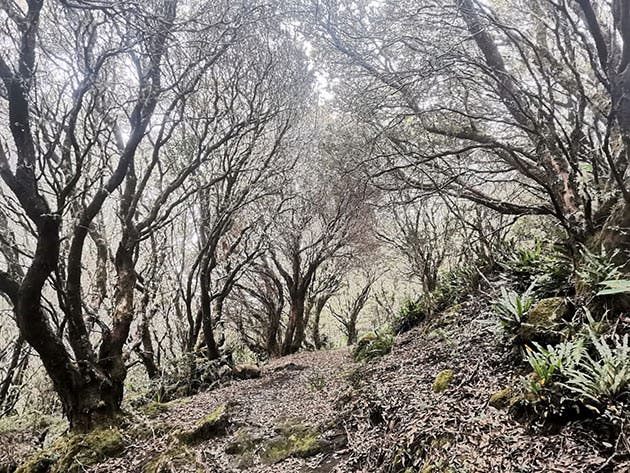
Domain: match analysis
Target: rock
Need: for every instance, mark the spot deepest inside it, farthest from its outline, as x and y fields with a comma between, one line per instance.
x=245, y=440
x=246, y=371
x=212, y=425
x=75, y=452
x=176, y=459
x=293, y=440
x=501, y=399
x=541, y=321
x=442, y=380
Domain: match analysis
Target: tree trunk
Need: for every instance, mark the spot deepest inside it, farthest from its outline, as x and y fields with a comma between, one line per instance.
x=272, y=345
x=351, y=328
x=614, y=234
x=111, y=352
x=295, y=325
x=146, y=351
x=317, y=339
x=16, y=365
x=206, y=314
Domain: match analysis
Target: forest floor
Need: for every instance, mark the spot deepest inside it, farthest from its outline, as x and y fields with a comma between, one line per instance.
x=321, y=412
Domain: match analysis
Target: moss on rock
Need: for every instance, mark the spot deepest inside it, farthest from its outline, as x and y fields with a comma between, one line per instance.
x=501, y=399
x=442, y=380
x=155, y=408
x=542, y=319
x=293, y=440
x=177, y=458
x=74, y=452
x=207, y=427
x=244, y=441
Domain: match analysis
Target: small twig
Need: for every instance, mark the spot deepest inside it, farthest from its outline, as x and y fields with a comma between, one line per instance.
x=615, y=451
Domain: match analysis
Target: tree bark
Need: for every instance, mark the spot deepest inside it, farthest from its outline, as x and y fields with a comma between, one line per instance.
x=294, y=324
x=212, y=350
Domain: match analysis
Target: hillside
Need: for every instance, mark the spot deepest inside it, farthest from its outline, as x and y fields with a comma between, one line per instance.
x=321, y=412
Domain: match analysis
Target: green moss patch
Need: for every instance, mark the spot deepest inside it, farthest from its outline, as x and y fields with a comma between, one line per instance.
x=155, y=408
x=542, y=319
x=442, y=380
x=212, y=425
x=74, y=452
x=501, y=399
x=244, y=441
x=173, y=460
x=294, y=439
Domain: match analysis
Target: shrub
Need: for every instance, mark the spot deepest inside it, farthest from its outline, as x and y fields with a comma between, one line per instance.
x=373, y=345
x=411, y=314
x=594, y=268
x=188, y=375
x=600, y=379
x=550, y=361
x=453, y=286
x=547, y=270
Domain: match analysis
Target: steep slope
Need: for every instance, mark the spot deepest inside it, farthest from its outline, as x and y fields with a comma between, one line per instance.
x=399, y=424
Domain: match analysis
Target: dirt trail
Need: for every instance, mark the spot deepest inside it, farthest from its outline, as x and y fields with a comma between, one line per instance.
x=321, y=412
x=298, y=390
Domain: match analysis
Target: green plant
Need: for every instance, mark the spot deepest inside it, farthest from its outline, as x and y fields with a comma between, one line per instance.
x=411, y=314
x=553, y=360
x=599, y=379
x=585, y=373
x=455, y=284
x=512, y=307
x=595, y=268
x=547, y=269
x=451, y=289
x=373, y=345
x=614, y=287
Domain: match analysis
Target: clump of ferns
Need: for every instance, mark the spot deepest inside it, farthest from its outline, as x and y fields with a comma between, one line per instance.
x=585, y=376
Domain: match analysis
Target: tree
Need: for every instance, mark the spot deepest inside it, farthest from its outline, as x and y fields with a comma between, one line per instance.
x=523, y=113
x=102, y=158
x=348, y=309
x=315, y=229
x=257, y=308
x=90, y=388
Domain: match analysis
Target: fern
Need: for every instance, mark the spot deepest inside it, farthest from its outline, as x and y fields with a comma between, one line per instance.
x=614, y=287
x=601, y=378
x=512, y=307
x=559, y=359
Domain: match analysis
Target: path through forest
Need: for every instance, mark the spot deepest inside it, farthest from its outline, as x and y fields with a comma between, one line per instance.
x=269, y=417
x=320, y=412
